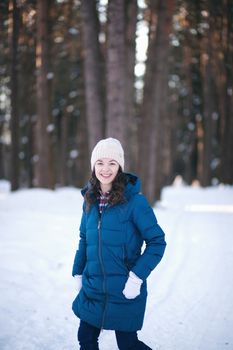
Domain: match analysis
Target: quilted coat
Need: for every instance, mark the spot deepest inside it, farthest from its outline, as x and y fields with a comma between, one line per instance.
x=109, y=247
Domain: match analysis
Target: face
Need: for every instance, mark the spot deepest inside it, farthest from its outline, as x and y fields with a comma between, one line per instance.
x=106, y=170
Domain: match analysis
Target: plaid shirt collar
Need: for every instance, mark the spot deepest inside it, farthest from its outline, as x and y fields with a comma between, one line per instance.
x=103, y=199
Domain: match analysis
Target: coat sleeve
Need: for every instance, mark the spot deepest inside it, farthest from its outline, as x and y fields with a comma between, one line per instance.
x=80, y=256
x=147, y=225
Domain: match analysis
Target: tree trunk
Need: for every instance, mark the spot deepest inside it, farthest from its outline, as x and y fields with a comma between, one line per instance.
x=14, y=32
x=208, y=103
x=93, y=73
x=131, y=125
x=165, y=115
x=2, y=167
x=27, y=107
x=82, y=163
x=116, y=82
x=63, y=171
x=155, y=100
x=44, y=165
x=206, y=130
x=197, y=85
x=189, y=156
x=226, y=175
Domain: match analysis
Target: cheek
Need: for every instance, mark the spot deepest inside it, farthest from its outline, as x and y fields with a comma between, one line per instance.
x=115, y=173
x=96, y=170
x=96, y=173
x=116, y=170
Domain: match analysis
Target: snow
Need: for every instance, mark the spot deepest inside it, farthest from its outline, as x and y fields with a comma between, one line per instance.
x=190, y=304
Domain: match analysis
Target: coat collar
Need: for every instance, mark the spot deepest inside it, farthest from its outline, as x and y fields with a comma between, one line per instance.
x=132, y=186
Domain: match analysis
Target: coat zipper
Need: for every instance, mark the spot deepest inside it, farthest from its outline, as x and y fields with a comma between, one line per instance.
x=103, y=271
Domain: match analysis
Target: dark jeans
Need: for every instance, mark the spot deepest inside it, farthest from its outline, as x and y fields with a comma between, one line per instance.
x=88, y=339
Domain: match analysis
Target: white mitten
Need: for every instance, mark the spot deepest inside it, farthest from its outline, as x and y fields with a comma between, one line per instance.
x=78, y=283
x=132, y=286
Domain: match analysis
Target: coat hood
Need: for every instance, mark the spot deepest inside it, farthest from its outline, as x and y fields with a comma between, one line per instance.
x=133, y=185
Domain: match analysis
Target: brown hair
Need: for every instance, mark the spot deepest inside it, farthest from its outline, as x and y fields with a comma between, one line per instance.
x=116, y=193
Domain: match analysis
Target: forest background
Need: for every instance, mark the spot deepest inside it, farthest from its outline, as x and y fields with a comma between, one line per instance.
x=156, y=74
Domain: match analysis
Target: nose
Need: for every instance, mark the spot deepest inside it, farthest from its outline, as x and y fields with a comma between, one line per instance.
x=105, y=167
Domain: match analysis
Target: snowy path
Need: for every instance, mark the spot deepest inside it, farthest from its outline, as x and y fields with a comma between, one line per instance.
x=190, y=303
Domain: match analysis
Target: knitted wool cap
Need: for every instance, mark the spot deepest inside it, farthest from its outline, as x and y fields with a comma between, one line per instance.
x=108, y=148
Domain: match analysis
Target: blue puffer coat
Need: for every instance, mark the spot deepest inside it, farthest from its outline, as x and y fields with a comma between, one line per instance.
x=109, y=247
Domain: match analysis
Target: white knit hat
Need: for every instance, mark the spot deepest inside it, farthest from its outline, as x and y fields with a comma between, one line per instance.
x=108, y=148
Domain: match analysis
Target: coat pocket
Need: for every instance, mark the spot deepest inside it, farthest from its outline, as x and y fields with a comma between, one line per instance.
x=125, y=258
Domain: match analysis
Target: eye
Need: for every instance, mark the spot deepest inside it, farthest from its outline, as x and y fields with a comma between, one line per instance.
x=112, y=163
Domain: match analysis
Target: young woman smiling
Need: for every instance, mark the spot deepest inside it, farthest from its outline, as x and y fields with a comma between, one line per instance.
x=110, y=267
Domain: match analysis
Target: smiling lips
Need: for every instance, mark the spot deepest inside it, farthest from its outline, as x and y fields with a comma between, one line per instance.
x=106, y=176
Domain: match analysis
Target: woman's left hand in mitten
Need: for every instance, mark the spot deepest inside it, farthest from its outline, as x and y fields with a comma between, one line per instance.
x=78, y=283
x=132, y=286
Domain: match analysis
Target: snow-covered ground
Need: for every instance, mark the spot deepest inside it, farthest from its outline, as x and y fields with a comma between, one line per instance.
x=190, y=303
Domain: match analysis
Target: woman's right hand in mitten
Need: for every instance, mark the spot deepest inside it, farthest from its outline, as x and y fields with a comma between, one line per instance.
x=78, y=283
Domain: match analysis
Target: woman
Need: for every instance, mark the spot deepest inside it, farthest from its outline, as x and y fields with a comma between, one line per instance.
x=109, y=267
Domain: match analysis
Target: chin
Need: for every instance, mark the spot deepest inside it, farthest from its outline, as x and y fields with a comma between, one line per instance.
x=106, y=182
